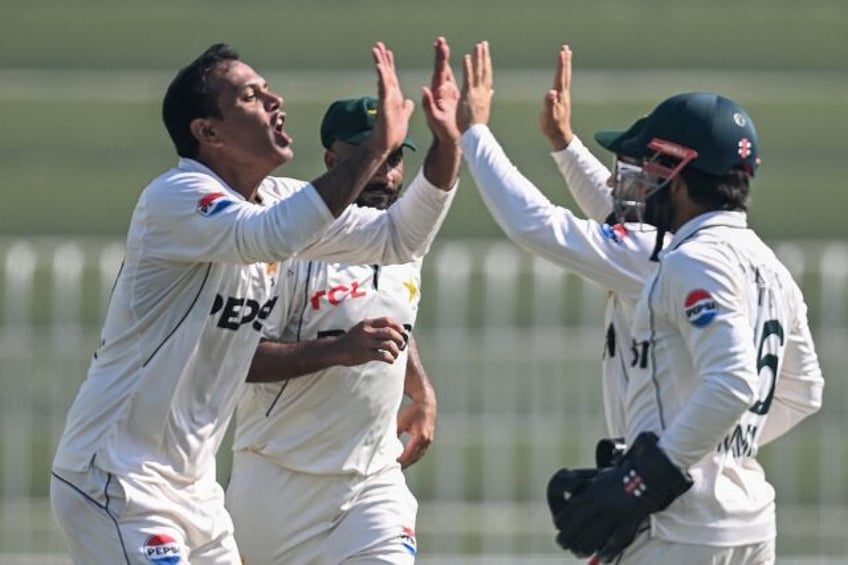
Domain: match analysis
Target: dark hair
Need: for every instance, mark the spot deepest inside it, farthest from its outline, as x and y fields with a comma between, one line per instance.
x=730, y=191
x=192, y=95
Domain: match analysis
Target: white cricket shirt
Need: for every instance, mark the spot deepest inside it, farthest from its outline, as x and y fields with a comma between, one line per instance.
x=190, y=301
x=615, y=257
x=715, y=510
x=339, y=420
x=726, y=359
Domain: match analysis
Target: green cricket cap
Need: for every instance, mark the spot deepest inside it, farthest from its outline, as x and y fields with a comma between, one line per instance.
x=351, y=120
x=716, y=127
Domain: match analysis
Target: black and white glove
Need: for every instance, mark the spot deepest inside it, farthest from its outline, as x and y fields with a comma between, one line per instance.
x=602, y=514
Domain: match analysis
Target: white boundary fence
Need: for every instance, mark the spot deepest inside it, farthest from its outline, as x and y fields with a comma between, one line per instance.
x=512, y=344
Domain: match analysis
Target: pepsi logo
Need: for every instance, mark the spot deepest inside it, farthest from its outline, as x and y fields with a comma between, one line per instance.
x=407, y=539
x=616, y=233
x=213, y=203
x=162, y=550
x=700, y=308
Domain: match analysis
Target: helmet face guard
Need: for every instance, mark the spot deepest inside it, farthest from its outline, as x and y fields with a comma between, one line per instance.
x=634, y=184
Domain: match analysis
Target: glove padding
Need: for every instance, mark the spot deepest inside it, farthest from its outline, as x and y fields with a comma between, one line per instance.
x=603, y=514
x=567, y=482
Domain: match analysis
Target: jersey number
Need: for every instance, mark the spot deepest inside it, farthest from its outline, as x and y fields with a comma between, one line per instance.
x=768, y=359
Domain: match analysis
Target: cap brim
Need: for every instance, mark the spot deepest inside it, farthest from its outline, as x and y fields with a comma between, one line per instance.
x=617, y=140
x=360, y=137
x=609, y=139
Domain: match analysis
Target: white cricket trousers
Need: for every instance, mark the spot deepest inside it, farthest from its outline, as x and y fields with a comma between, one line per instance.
x=646, y=550
x=283, y=517
x=112, y=520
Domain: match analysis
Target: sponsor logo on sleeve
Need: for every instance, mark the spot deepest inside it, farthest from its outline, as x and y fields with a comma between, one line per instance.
x=162, y=549
x=615, y=233
x=700, y=308
x=407, y=539
x=213, y=203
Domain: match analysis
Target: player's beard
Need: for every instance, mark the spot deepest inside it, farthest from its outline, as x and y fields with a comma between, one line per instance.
x=378, y=195
x=658, y=213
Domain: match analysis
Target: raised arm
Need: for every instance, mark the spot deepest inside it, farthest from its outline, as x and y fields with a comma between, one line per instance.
x=586, y=177
x=526, y=215
x=340, y=186
x=439, y=100
x=406, y=231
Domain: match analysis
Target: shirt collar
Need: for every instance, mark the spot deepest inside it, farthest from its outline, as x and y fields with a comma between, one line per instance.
x=734, y=219
x=193, y=166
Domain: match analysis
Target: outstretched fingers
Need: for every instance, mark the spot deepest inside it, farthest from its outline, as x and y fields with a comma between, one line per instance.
x=477, y=90
x=555, y=117
x=562, y=76
x=440, y=100
x=392, y=121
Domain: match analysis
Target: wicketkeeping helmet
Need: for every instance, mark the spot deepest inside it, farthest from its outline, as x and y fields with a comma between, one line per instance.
x=704, y=131
x=719, y=130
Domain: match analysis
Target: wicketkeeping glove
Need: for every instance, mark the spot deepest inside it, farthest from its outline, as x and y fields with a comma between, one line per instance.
x=603, y=514
x=567, y=482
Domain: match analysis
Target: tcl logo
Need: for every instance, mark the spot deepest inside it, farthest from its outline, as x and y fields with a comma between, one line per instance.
x=235, y=312
x=336, y=295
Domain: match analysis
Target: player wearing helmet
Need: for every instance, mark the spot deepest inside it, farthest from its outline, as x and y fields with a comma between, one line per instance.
x=726, y=362
x=622, y=262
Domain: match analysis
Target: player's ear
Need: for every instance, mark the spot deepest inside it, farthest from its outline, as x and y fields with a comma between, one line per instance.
x=204, y=131
x=329, y=159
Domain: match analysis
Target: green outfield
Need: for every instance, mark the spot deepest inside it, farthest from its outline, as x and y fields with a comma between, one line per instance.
x=80, y=85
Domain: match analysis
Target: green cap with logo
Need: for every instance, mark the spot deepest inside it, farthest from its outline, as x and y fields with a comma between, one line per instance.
x=716, y=127
x=351, y=120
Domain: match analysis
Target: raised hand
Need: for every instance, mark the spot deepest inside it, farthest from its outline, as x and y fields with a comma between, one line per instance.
x=477, y=88
x=555, y=117
x=394, y=111
x=441, y=98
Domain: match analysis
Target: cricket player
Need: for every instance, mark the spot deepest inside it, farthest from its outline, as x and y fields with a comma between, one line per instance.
x=316, y=473
x=134, y=474
x=614, y=255
x=552, y=232
x=725, y=361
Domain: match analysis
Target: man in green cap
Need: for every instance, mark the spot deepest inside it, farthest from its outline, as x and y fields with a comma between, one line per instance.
x=317, y=471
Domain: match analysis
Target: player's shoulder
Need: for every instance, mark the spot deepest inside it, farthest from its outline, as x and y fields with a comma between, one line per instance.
x=280, y=187
x=696, y=255
x=181, y=187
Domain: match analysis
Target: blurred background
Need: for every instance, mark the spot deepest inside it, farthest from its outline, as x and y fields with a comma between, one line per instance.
x=512, y=343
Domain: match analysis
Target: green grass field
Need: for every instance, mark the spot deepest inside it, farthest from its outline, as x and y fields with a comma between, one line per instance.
x=81, y=84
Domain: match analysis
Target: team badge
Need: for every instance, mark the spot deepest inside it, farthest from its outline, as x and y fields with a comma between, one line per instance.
x=744, y=147
x=412, y=289
x=162, y=550
x=213, y=203
x=615, y=233
x=700, y=308
x=407, y=539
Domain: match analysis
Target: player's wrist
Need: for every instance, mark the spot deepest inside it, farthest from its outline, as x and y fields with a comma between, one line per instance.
x=651, y=475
